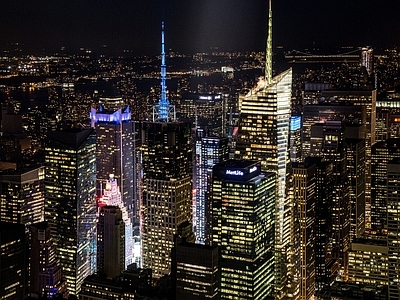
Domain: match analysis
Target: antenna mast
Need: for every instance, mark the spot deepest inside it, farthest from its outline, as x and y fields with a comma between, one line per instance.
x=268, y=52
x=164, y=111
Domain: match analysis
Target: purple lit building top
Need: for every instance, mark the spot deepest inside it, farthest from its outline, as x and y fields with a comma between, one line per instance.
x=117, y=117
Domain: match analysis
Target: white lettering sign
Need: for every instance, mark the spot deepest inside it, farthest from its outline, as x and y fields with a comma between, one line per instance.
x=253, y=169
x=234, y=172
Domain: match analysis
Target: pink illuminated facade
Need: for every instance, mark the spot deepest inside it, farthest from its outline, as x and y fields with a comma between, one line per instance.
x=111, y=196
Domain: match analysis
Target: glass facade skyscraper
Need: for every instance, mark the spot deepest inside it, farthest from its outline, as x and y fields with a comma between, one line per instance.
x=243, y=217
x=263, y=135
x=22, y=196
x=209, y=152
x=70, y=210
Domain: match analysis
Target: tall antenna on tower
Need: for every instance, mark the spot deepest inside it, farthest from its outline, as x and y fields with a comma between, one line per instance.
x=268, y=52
x=164, y=111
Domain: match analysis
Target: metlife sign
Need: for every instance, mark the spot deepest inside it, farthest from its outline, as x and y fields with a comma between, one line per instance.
x=237, y=170
x=234, y=172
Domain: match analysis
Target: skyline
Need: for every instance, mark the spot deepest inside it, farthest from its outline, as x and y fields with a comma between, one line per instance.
x=195, y=26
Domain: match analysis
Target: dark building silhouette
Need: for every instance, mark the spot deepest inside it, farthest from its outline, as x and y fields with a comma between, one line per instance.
x=13, y=261
x=110, y=242
x=45, y=268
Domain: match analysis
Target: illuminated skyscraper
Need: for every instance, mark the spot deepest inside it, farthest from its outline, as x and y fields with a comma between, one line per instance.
x=368, y=262
x=393, y=221
x=111, y=196
x=382, y=153
x=209, y=152
x=304, y=183
x=167, y=181
x=355, y=153
x=333, y=150
x=263, y=135
x=114, y=151
x=167, y=190
x=352, y=148
x=205, y=111
x=22, y=196
x=243, y=218
x=70, y=205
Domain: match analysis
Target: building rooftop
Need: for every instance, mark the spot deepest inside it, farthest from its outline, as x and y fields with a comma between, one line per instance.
x=73, y=138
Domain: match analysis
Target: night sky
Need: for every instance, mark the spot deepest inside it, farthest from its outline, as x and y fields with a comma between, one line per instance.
x=196, y=25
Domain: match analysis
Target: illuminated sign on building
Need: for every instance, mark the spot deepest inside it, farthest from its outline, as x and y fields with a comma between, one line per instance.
x=234, y=172
x=295, y=123
x=237, y=170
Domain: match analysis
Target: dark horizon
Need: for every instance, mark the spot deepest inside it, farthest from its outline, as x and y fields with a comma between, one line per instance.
x=195, y=26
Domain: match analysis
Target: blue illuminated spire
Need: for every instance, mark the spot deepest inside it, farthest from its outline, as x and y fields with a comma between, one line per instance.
x=164, y=111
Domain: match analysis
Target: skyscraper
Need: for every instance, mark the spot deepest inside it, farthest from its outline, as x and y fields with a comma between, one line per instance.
x=304, y=183
x=45, y=271
x=167, y=190
x=70, y=208
x=382, y=153
x=167, y=181
x=209, y=151
x=22, y=196
x=355, y=153
x=393, y=217
x=349, y=106
x=263, y=135
x=110, y=242
x=325, y=266
x=13, y=261
x=114, y=150
x=243, y=218
x=111, y=196
x=333, y=150
x=197, y=271
x=368, y=262
x=205, y=111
